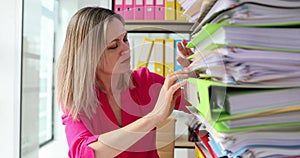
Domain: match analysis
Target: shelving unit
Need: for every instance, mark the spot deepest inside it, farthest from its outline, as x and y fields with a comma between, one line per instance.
x=158, y=26
x=158, y=29
x=182, y=142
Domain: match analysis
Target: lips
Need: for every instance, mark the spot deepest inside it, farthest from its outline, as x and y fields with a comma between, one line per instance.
x=127, y=60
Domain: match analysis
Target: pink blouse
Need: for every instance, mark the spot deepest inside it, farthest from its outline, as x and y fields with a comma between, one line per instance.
x=136, y=103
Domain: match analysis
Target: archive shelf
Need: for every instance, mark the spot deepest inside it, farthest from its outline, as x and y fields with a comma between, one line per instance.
x=143, y=26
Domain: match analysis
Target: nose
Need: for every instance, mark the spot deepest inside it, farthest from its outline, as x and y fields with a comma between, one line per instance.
x=125, y=48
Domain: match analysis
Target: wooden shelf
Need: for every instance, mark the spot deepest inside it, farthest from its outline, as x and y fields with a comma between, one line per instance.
x=182, y=142
x=143, y=26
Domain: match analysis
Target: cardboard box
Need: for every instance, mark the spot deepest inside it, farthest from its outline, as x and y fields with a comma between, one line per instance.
x=165, y=138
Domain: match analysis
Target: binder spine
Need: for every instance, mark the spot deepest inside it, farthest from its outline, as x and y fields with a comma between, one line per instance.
x=119, y=7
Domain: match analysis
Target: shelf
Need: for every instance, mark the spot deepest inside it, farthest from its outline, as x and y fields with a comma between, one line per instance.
x=182, y=142
x=158, y=26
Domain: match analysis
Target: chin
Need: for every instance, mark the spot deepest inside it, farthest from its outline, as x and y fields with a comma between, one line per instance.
x=122, y=70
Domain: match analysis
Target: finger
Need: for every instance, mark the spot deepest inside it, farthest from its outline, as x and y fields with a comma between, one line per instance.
x=187, y=50
x=173, y=77
x=181, y=49
x=176, y=76
x=184, y=42
x=182, y=61
x=177, y=93
x=176, y=86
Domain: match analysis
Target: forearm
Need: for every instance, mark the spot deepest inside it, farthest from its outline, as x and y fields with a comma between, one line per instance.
x=113, y=143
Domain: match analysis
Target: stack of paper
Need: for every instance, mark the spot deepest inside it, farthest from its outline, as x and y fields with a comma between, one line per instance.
x=194, y=9
x=245, y=65
x=247, y=55
x=249, y=12
x=279, y=140
x=249, y=52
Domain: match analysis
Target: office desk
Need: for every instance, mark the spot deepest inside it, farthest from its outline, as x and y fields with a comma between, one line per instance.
x=182, y=142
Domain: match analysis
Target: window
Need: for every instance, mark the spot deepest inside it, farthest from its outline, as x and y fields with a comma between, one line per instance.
x=37, y=75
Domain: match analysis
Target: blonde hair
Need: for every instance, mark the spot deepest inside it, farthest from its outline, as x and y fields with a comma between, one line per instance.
x=84, y=44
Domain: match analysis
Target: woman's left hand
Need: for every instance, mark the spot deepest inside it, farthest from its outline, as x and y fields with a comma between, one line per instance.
x=185, y=53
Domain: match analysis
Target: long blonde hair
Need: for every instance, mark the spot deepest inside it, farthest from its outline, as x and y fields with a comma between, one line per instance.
x=76, y=70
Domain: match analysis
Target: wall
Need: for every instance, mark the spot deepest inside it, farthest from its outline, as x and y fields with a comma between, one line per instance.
x=10, y=64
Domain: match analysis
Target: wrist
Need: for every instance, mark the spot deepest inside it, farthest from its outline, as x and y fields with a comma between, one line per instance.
x=154, y=118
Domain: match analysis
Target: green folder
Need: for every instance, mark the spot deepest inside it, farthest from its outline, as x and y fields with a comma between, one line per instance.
x=217, y=45
x=199, y=94
x=220, y=127
x=210, y=29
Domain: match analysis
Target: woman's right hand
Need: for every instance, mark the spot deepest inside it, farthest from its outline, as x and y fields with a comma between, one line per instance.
x=168, y=93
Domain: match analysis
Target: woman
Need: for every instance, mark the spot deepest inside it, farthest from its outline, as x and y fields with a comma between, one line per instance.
x=109, y=110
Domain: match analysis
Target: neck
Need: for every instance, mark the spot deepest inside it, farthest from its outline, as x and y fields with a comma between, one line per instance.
x=108, y=82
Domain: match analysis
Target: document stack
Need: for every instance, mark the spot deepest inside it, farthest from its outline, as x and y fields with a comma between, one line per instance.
x=194, y=9
x=247, y=57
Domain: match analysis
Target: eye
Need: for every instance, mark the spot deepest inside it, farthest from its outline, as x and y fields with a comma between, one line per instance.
x=125, y=39
x=113, y=45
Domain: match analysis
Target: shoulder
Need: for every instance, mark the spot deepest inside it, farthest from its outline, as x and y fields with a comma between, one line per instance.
x=144, y=76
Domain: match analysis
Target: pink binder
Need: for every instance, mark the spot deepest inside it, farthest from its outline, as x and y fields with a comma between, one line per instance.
x=138, y=9
x=149, y=10
x=128, y=9
x=159, y=10
x=119, y=7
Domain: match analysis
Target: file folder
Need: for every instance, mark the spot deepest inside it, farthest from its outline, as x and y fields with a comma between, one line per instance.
x=159, y=51
x=218, y=34
x=169, y=56
x=149, y=10
x=195, y=8
x=170, y=10
x=177, y=66
x=199, y=150
x=179, y=11
x=159, y=10
x=199, y=94
x=205, y=141
x=145, y=53
x=138, y=10
x=128, y=9
x=119, y=7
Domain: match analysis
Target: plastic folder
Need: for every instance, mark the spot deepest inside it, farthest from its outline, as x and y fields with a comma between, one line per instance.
x=119, y=7
x=205, y=140
x=169, y=56
x=179, y=11
x=145, y=53
x=138, y=10
x=159, y=10
x=149, y=11
x=198, y=93
x=212, y=34
x=170, y=10
x=177, y=66
x=159, y=51
x=128, y=9
x=199, y=150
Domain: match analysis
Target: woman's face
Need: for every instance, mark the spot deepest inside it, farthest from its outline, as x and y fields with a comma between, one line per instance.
x=116, y=57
